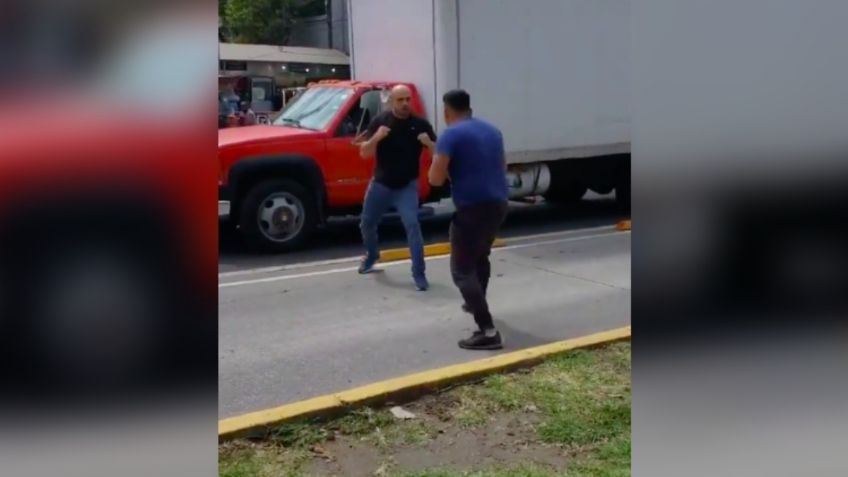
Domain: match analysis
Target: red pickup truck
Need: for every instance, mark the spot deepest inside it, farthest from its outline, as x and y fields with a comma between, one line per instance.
x=278, y=183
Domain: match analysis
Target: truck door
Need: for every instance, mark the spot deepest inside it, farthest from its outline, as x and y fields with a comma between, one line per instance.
x=353, y=172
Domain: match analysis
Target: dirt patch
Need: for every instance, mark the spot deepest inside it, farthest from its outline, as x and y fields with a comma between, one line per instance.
x=347, y=458
x=438, y=406
x=502, y=440
x=499, y=442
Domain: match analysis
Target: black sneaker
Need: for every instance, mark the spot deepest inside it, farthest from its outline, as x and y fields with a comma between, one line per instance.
x=479, y=340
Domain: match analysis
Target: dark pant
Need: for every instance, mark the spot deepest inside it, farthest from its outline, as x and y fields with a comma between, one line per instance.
x=472, y=233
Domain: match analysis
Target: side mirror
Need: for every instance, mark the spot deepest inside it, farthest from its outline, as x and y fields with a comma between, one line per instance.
x=277, y=102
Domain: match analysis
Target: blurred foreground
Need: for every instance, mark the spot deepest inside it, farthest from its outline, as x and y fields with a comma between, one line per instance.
x=108, y=239
x=740, y=247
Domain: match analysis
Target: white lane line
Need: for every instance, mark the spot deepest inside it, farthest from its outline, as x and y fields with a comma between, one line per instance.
x=279, y=278
x=562, y=240
x=336, y=261
x=283, y=268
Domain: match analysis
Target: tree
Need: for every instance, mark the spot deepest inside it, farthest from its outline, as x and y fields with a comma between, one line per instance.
x=222, y=27
x=259, y=21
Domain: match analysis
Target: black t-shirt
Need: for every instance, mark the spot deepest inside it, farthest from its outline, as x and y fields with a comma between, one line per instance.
x=399, y=153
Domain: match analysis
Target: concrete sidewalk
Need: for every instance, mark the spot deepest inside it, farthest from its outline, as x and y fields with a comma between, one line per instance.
x=292, y=334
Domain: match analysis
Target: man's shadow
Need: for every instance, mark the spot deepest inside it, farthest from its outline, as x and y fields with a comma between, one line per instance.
x=514, y=339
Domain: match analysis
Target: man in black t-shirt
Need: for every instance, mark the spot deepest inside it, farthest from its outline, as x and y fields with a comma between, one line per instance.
x=397, y=137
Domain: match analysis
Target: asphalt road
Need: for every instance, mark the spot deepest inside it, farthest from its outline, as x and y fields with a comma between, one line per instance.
x=301, y=330
x=341, y=238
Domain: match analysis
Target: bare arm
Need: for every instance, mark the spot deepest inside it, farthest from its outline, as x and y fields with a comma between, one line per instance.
x=438, y=174
x=369, y=147
x=428, y=137
x=424, y=138
x=360, y=139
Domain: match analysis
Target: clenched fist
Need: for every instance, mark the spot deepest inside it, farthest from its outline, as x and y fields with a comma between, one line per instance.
x=382, y=132
x=424, y=139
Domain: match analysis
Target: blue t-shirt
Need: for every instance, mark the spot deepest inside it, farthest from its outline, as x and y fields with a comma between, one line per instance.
x=477, y=162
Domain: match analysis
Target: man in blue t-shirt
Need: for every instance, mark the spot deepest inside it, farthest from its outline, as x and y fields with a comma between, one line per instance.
x=471, y=153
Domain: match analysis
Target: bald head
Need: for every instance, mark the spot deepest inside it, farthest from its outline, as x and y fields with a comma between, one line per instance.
x=401, y=97
x=400, y=90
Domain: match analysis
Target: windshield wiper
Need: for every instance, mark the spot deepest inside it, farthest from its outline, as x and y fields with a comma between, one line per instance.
x=292, y=121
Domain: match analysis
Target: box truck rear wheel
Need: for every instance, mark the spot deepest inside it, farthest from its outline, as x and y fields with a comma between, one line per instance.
x=278, y=216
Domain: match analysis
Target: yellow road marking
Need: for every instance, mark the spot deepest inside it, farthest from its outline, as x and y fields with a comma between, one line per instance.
x=443, y=248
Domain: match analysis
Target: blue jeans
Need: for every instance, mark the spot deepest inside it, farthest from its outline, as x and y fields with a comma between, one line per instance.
x=378, y=199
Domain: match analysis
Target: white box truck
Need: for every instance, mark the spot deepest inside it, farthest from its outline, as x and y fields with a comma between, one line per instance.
x=553, y=75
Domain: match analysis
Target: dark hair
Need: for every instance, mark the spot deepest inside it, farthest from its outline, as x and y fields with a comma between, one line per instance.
x=458, y=100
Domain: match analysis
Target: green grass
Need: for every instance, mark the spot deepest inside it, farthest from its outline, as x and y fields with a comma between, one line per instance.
x=378, y=427
x=264, y=462
x=299, y=434
x=579, y=402
x=409, y=433
x=583, y=397
x=363, y=422
x=244, y=467
x=612, y=459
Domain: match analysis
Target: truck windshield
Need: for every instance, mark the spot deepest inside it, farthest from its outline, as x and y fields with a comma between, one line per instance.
x=315, y=108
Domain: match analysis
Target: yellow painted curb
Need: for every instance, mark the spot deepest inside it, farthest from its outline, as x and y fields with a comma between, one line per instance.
x=396, y=254
x=406, y=386
x=623, y=225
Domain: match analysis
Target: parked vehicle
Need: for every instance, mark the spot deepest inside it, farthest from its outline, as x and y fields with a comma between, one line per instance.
x=280, y=182
x=260, y=92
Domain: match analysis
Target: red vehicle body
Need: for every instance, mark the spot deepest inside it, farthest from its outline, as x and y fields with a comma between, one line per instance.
x=91, y=192
x=279, y=182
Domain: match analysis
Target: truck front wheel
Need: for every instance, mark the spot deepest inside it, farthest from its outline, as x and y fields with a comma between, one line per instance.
x=278, y=216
